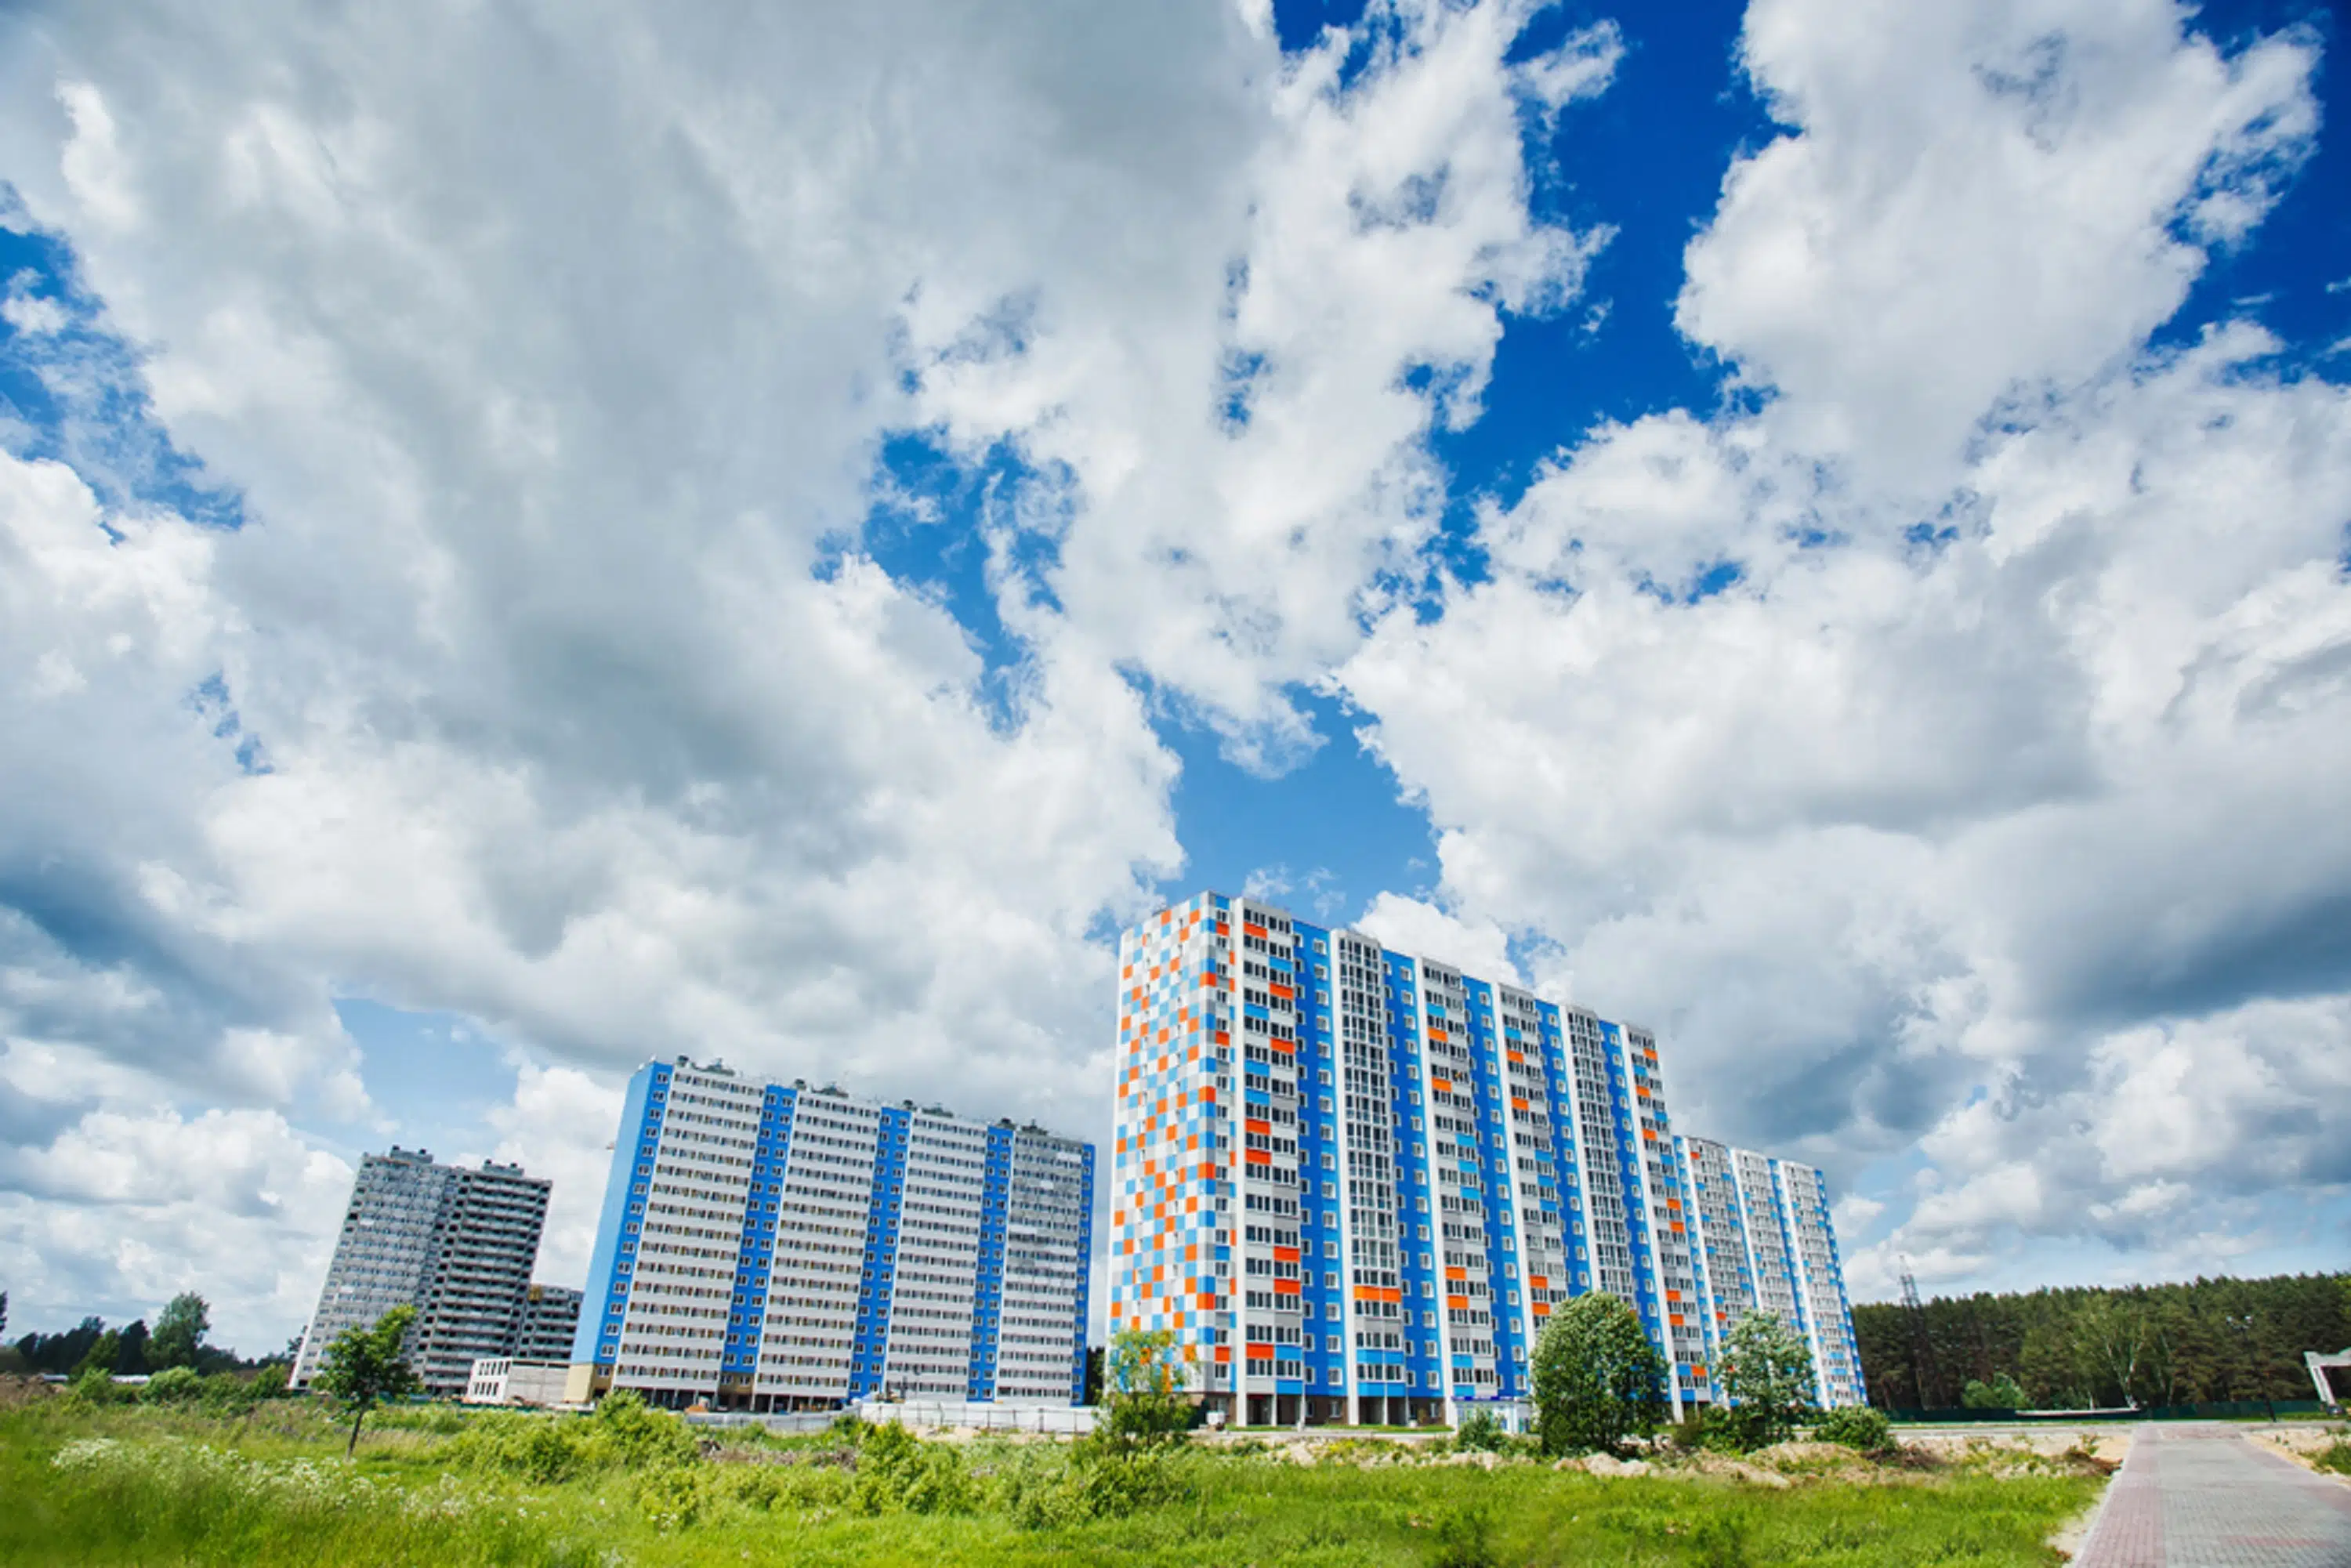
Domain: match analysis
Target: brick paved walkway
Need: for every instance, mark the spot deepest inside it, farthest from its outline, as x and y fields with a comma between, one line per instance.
x=2203, y=1496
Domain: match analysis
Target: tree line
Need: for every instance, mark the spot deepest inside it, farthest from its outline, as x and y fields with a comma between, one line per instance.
x=177, y=1339
x=2199, y=1342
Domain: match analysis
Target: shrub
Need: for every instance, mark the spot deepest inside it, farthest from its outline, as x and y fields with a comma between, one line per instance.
x=1481, y=1431
x=1114, y=1485
x=1858, y=1426
x=93, y=1386
x=2338, y=1458
x=638, y=1437
x=898, y=1472
x=2001, y=1394
x=673, y=1499
x=172, y=1385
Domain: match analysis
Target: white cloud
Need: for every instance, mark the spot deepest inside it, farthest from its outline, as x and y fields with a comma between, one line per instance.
x=537, y=686
x=1987, y=810
x=123, y=1210
x=1977, y=202
x=1950, y=742
x=31, y=313
x=1416, y=926
x=560, y=1124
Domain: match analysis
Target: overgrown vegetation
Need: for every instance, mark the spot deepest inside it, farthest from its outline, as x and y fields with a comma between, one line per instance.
x=2210, y=1341
x=104, y=1484
x=1860, y=1428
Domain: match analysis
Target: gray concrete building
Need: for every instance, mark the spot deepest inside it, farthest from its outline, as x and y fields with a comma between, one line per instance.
x=457, y=1244
x=550, y=1316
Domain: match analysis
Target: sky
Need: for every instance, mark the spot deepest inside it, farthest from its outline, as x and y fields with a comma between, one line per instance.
x=534, y=537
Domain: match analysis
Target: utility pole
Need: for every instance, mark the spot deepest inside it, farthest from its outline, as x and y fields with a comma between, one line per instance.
x=1922, y=1350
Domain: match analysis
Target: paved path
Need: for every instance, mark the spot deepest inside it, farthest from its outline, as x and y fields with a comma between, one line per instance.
x=2203, y=1497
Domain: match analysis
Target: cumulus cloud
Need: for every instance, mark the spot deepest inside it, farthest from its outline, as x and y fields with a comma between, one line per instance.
x=547, y=362
x=124, y=1210
x=1941, y=743
x=1423, y=929
x=1978, y=205
x=1939, y=752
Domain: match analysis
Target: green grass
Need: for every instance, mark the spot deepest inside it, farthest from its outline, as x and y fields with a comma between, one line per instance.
x=137, y=1486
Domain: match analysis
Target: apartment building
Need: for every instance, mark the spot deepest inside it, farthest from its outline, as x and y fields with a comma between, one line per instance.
x=457, y=1244
x=1352, y=1182
x=774, y=1247
x=1767, y=1241
x=550, y=1323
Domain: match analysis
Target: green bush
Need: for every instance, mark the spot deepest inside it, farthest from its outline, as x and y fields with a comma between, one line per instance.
x=672, y=1500
x=768, y=1488
x=1858, y=1426
x=623, y=1435
x=1481, y=1432
x=93, y=1386
x=2001, y=1394
x=173, y=1385
x=2336, y=1457
x=639, y=1437
x=897, y=1471
x=227, y=1394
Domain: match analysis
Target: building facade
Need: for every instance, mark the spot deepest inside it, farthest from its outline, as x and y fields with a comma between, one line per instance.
x=550, y=1323
x=772, y=1247
x=510, y=1380
x=457, y=1244
x=1354, y=1183
x=1767, y=1241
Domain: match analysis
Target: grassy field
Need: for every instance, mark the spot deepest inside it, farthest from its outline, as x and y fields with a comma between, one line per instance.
x=157, y=1486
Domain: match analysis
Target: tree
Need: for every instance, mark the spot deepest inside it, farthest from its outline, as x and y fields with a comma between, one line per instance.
x=130, y=1357
x=1142, y=1392
x=362, y=1367
x=1767, y=1371
x=98, y=1361
x=1598, y=1379
x=1094, y=1376
x=179, y=1331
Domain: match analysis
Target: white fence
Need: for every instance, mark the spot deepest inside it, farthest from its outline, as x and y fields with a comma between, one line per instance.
x=780, y=1421
x=1066, y=1420
x=937, y=1414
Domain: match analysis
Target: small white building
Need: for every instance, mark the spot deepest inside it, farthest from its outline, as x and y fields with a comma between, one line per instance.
x=508, y=1380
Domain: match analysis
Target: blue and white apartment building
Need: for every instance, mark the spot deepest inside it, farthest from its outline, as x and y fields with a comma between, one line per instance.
x=773, y=1246
x=1354, y=1183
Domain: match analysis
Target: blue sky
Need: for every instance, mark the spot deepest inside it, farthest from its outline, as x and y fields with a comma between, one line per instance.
x=1821, y=531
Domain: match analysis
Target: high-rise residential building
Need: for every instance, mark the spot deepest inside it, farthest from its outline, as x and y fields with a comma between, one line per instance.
x=1354, y=1183
x=456, y=1244
x=550, y=1323
x=770, y=1246
x=1768, y=1242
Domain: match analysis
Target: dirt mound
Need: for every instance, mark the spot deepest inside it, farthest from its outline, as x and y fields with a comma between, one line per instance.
x=15, y=1389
